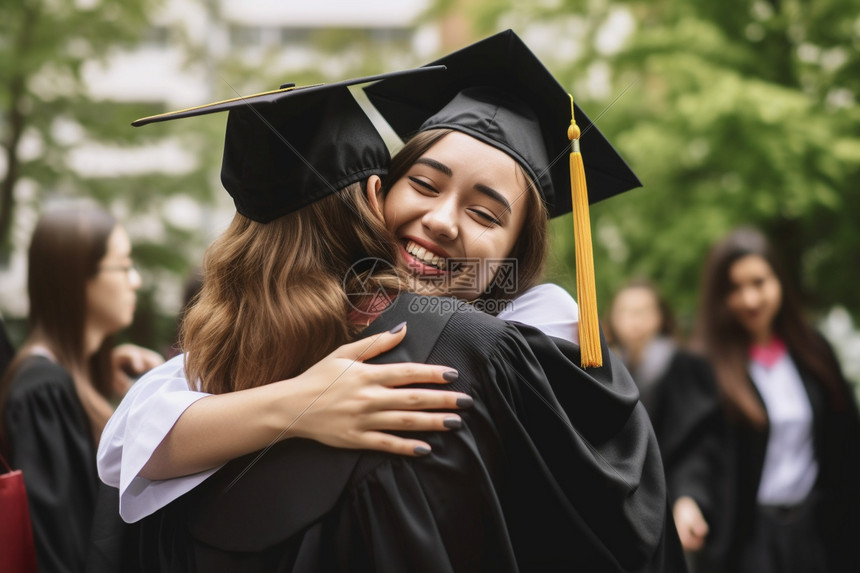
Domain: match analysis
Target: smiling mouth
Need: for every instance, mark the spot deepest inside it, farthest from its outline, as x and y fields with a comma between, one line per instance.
x=426, y=257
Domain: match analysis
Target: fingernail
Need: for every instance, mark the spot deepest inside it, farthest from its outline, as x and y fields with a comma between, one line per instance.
x=453, y=423
x=450, y=375
x=398, y=328
x=422, y=450
x=465, y=402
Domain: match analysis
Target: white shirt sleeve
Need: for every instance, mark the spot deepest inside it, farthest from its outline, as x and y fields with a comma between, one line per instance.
x=141, y=422
x=547, y=307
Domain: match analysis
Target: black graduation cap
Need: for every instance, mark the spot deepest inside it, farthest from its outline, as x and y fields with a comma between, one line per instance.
x=287, y=148
x=499, y=92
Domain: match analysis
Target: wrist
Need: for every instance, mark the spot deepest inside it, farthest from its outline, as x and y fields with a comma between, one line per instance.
x=283, y=405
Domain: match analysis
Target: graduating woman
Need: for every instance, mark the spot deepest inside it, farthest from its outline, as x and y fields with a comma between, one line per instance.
x=55, y=396
x=793, y=462
x=148, y=440
x=679, y=391
x=553, y=467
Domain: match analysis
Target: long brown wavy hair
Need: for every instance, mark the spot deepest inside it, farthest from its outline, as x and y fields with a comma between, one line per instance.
x=65, y=251
x=726, y=342
x=276, y=296
x=530, y=248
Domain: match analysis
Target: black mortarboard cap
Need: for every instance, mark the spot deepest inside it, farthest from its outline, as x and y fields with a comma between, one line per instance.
x=499, y=92
x=290, y=147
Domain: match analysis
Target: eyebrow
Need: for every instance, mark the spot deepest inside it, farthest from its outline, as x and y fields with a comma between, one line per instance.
x=494, y=195
x=488, y=191
x=435, y=165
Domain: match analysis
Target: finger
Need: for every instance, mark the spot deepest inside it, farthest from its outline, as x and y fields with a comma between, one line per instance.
x=394, y=444
x=421, y=399
x=136, y=363
x=371, y=346
x=700, y=528
x=408, y=421
x=151, y=359
x=688, y=542
x=694, y=543
x=405, y=373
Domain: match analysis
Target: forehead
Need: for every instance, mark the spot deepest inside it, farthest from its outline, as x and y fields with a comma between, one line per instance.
x=118, y=243
x=636, y=297
x=465, y=150
x=749, y=266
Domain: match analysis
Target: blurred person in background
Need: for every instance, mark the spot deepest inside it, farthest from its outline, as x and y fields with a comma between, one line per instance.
x=56, y=396
x=190, y=290
x=679, y=392
x=7, y=351
x=792, y=490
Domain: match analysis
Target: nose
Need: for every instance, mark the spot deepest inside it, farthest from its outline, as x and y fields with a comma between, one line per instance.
x=134, y=278
x=750, y=297
x=441, y=221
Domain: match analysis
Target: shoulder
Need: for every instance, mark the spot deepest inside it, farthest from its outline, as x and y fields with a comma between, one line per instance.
x=546, y=298
x=547, y=307
x=38, y=375
x=474, y=327
x=692, y=362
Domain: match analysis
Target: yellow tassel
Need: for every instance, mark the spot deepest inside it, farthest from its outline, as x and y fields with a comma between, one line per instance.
x=589, y=327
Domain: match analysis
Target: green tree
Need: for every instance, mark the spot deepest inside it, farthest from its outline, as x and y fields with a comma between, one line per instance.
x=43, y=49
x=49, y=115
x=739, y=112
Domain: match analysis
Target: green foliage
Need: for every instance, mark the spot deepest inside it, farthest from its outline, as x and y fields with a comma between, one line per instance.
x=738, y=112
x=45, y=45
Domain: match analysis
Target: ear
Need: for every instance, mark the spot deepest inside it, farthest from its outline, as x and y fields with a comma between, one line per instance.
x=373, y=190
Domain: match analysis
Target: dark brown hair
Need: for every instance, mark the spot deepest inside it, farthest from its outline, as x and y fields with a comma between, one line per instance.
x=726, y=342
x=276, y=296
x=530, y=247
x=67, y=246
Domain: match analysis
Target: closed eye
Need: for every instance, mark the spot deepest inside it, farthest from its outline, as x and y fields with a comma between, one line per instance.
x=424, y=184
x=487, y=217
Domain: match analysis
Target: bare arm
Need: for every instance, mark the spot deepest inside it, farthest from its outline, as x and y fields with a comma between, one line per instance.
x=340, y=401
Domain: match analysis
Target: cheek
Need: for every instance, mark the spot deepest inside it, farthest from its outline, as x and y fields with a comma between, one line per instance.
x=776, y=296
x=393, y=210
x=733, y=303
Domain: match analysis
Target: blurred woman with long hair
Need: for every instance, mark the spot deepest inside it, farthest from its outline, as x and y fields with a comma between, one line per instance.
x=55, y=397
x=793, y=461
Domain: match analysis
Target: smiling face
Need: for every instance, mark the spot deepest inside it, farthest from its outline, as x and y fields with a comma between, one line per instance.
x=460, y=203
x=755, y=296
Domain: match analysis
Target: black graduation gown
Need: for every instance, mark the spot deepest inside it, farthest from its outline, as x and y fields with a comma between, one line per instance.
x=52, y=444
x=684, y=406
x=836, y=438
x=7, y=351
x=555, y=469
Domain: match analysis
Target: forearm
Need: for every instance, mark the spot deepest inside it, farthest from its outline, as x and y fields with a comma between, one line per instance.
x=218, y=428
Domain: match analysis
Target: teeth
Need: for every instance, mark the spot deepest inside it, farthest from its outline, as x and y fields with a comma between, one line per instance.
x=425, y=256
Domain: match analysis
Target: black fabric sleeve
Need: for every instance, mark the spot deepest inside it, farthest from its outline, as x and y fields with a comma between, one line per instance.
x=51, y=444
x=692, y=432
x=7, y=351
x=596, y=439
x=840, y=475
